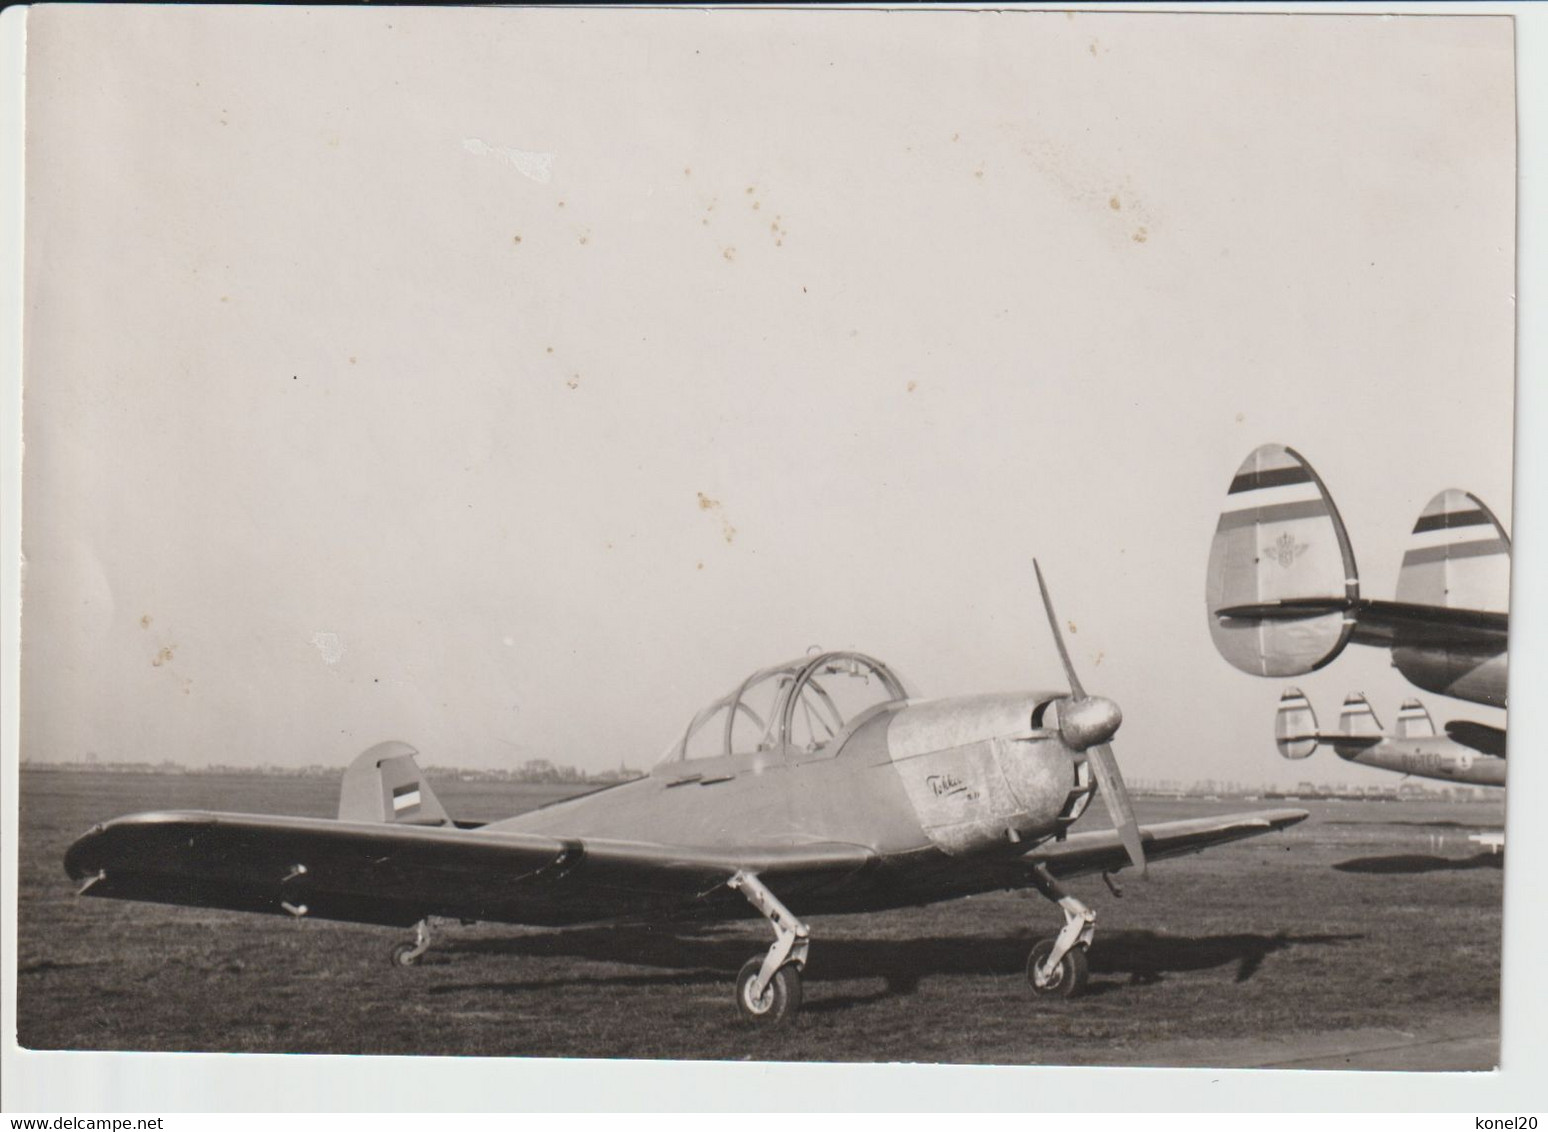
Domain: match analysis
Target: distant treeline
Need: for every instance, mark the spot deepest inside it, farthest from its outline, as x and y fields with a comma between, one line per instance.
x=546, y=771
x=533, y=770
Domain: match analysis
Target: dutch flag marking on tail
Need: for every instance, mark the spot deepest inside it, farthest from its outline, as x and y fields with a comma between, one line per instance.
x=386, y=784
x=405, y=798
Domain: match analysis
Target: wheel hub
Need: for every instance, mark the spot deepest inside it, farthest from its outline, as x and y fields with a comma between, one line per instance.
x=758, y=1003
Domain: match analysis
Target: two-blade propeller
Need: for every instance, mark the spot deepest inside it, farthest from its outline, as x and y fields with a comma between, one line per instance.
x=1087, y=723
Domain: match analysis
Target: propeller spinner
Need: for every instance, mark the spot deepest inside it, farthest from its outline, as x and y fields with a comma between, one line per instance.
x=1087, y=723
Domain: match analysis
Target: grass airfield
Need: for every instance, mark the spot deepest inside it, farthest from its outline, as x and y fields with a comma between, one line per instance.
x=1366, y=937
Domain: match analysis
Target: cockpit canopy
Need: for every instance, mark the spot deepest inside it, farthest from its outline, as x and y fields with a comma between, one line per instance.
x=800, y=706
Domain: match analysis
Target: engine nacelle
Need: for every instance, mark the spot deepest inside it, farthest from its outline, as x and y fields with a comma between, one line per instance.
x=979, y=774
x=1477, y=677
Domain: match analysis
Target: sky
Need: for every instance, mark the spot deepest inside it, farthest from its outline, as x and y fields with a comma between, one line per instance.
x=512, y=383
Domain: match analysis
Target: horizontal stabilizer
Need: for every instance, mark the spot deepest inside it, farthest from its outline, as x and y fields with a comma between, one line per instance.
x=1386, y=623
x=1281, y=577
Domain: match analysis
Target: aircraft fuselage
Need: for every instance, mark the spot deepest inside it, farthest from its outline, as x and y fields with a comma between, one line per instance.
x=1433, y=756
x=959, y=776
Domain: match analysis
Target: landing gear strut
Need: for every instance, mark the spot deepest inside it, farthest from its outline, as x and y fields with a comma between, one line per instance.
x=408, y=954
x=1058, y=967
x=768, y=987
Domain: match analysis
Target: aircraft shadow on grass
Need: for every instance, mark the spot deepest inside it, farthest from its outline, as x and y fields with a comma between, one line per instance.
x=1147, y=956
x=1446, y=824
x=1421, y=863
x=702, y=957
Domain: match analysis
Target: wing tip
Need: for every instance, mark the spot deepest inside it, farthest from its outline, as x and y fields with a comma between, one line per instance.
x=1284, y=819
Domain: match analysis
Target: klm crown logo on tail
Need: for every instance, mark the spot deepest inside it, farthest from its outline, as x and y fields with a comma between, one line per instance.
x=1285, y=550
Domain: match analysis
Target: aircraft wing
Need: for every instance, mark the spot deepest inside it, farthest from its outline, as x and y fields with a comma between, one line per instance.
x=1387, y=623
x=382, y=873
x=1479, y=736
x=1100, y=851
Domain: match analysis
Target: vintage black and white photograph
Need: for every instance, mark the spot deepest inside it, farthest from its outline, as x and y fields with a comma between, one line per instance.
x=793, y=536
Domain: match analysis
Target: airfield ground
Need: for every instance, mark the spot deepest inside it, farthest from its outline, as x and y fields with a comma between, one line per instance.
x=1367, y=937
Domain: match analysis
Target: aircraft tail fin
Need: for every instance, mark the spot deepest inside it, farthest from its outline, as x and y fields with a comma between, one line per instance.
x=1459, y=558
x=1413, y=721
x=1357, y=719
x=1282, y=585
x=385, y=784
x=1295, y=726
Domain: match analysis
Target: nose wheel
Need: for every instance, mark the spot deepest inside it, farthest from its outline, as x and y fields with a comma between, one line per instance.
x=768, y=987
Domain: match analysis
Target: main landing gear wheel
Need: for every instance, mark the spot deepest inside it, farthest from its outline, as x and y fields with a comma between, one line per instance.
x=780, y=1000
x=780, y=997
x=1068, y=978
x=405, y=955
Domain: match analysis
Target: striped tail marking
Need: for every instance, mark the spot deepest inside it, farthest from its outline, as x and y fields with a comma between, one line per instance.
x=1357, y=717
x=1413, y=721
x=1459, y=557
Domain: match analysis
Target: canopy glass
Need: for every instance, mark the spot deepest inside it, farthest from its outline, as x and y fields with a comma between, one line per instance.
x=799, y=706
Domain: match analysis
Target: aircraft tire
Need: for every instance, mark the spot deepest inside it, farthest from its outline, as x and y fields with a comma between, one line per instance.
x=404, y=955
x=781, y=1001
x=1074, y=969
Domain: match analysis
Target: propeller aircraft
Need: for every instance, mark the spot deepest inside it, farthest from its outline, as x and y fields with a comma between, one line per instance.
x=1414, y=748
x=821, y=785
x=1283, y=594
